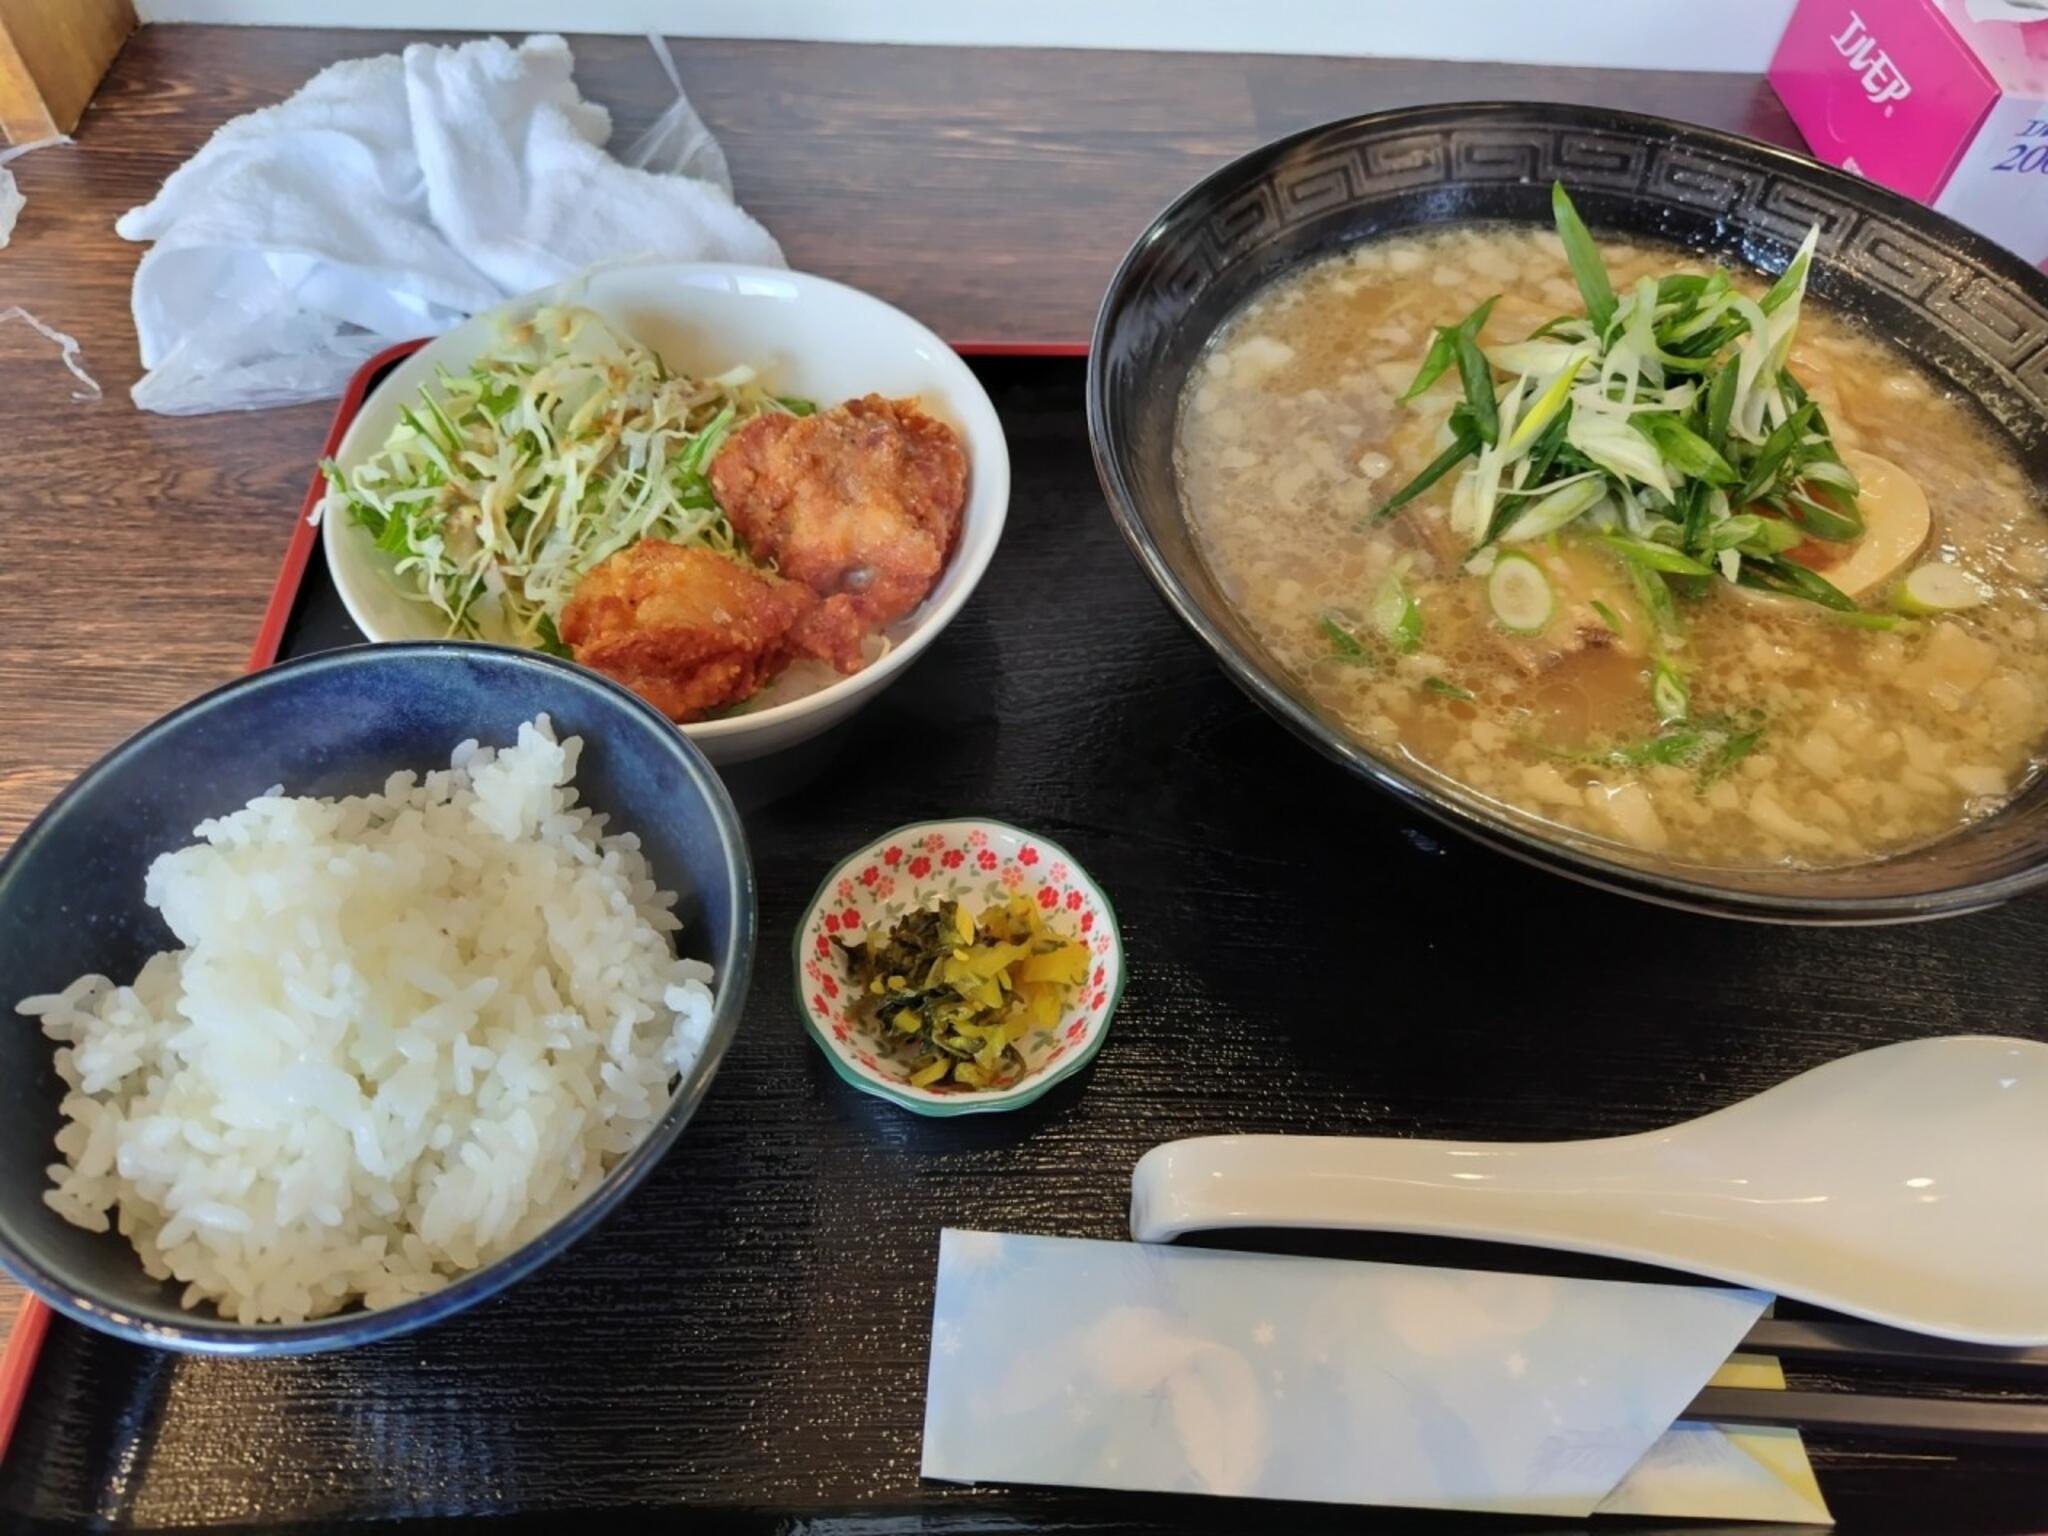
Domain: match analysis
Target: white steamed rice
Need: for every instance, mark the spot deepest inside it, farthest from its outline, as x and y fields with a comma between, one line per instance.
x=407, y=1032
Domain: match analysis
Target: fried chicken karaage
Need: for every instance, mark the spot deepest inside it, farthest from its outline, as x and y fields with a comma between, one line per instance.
x=860, y=504
x=857, y=507
x=689, y=630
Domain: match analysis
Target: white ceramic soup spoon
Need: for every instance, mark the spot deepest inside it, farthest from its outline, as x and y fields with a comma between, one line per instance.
x=1907, y=1184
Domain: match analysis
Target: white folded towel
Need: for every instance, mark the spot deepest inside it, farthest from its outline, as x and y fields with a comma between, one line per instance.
x=390, y=198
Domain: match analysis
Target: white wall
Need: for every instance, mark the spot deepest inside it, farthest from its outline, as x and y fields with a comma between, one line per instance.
x=1640, y=34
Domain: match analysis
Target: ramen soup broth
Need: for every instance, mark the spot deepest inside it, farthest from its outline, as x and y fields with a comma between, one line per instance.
x=1832, y=743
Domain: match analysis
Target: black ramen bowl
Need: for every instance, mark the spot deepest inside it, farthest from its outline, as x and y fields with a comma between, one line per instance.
x=1972, y=315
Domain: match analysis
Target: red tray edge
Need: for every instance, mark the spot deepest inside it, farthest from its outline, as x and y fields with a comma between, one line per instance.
x=18, y=1364
x=25, y=1339
x=299, y=553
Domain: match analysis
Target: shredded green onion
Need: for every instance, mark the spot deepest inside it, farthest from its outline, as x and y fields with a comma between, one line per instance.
x=1664, y=418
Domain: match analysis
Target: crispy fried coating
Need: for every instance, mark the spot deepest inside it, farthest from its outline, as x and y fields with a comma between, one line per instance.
x=860, y=503
x=835, y=631
x=689, y=630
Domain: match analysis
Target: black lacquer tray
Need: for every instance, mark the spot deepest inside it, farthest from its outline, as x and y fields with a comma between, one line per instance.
x=743, y=1346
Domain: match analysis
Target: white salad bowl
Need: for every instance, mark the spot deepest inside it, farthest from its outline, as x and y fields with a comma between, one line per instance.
x=807, y=336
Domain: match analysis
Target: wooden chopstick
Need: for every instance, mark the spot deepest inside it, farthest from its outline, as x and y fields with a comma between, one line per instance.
x=1973, y=1422
x=1869, y=1344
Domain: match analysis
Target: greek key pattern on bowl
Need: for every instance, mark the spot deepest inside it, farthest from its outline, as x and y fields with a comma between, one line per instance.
x=1754, y=196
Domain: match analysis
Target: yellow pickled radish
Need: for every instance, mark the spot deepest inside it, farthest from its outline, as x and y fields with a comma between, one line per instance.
x=965, y=1002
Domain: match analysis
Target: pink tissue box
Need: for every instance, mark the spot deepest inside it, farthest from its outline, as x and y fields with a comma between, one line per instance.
x=1943, y=100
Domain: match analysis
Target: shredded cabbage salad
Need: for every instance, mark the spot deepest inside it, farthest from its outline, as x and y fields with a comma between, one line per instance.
x=563, y=445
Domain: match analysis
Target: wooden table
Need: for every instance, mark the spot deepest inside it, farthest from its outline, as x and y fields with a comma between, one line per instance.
x=988, y=191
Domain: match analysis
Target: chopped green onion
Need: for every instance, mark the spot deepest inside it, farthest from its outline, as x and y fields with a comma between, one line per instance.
x=1939, y=588
x=1448, y=690
x=1656, y=557
x=1823, y=521
x=1344, y=646
x=1478, y=380
x=1397, y=616
x=1666, y=425
x=1520, y=595
x=1773, y=536
x=1668, y=693
x=1710, y=746
x=1791, y=282
x=1549, y=513
x=1734, y=532
x=1733, y=751
x=1720, y=404
x=1832, y=473
x=1544, y=409
x=1655, y=595
x=1434, y=362
x=1584, y=256
x=1776, y=449
x=1443, y=348
x=1537, y=357
x=1684, y=449
x=1787, y=578
x=1463, y=445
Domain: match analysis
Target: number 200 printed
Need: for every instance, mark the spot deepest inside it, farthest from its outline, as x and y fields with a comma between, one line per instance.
x=2028, y=156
